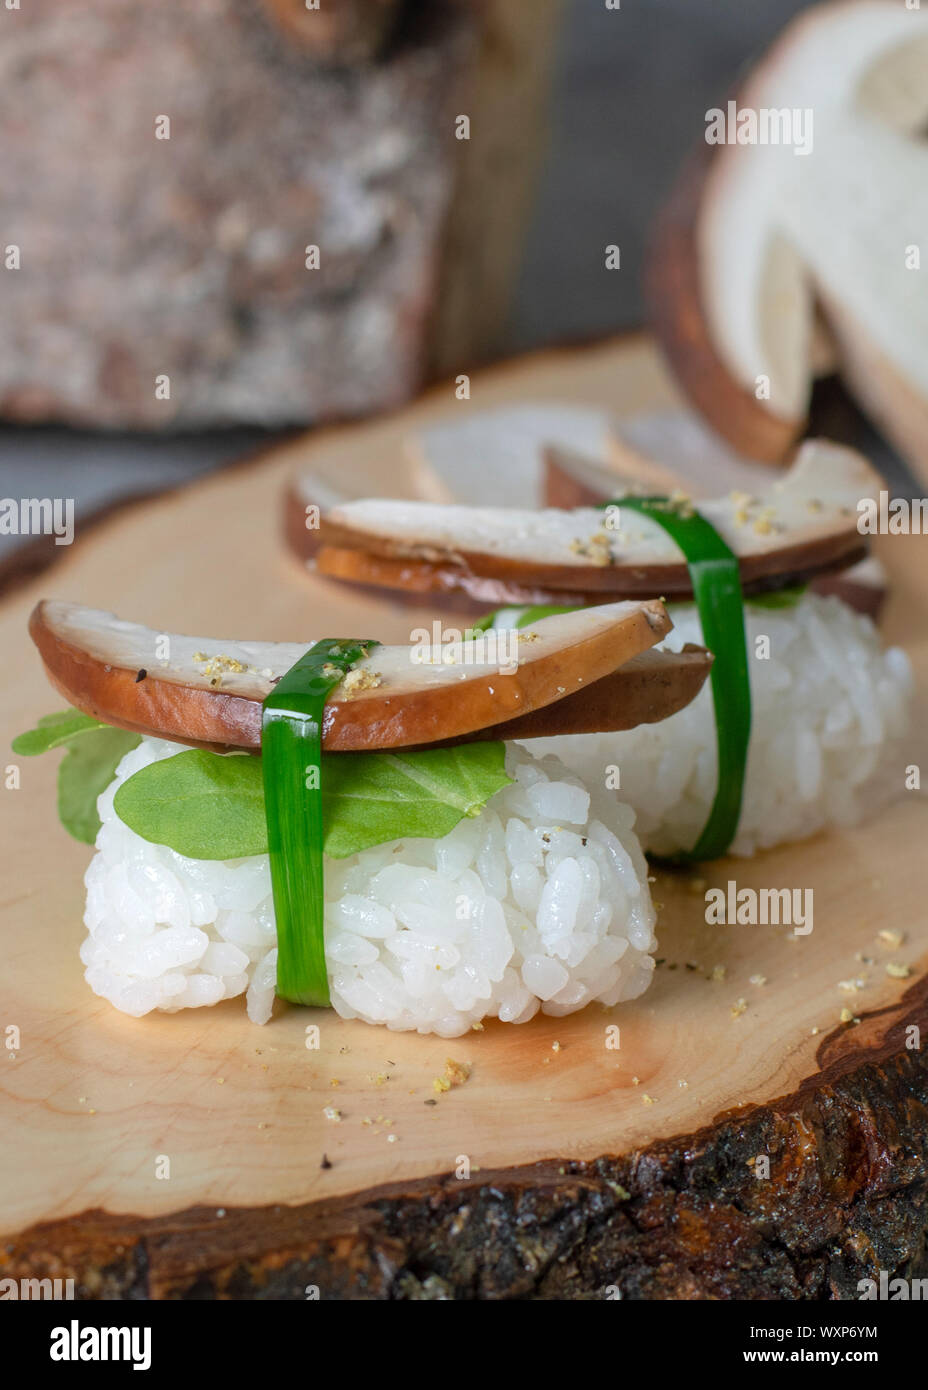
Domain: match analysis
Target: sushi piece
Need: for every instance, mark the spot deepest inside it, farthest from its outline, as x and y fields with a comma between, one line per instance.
x=804, y=723
x=830, y=709
x=456, y=877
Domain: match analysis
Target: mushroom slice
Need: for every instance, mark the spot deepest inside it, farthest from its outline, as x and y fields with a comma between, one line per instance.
x=209, y=693
x=811, y=205
x=701, y=463
x=806, y=524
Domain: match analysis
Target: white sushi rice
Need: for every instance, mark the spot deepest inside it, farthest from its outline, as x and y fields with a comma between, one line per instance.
x=830, y=708
x=542, y=901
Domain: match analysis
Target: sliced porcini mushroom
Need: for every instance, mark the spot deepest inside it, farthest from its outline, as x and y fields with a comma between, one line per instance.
x=806, y=524
x=759, y=240
x=209, y=693
x=701, y=464
x=494, y=453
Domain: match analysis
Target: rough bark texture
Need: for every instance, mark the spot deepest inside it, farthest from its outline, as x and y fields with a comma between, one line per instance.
x=338, y=31
x=142, y=257
x=847, y=1197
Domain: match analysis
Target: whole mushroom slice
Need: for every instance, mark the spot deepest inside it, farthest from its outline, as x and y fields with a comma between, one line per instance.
x=806, y=524
x=819, y=215
x=209, y=693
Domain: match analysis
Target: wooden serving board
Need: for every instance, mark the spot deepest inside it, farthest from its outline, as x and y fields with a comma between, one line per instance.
x=589, y=1167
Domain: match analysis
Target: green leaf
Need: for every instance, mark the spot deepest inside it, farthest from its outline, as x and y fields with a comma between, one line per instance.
x=521, y=617
x=371, y=798
x=86, y=770
x=203, y=805
x=777, y=598
x=53, y=730
x=94, y=752
x=209, y=806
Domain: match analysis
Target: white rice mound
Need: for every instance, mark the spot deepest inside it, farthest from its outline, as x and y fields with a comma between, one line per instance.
x=542, y=901
x=830, y=710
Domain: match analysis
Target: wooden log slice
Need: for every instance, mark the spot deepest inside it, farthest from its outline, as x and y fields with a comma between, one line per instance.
x=564, y=1166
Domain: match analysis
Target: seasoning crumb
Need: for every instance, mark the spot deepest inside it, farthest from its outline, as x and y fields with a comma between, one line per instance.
x=326, y=1162
x=646, y=1099
x=358, y=680
x=897, y=971
x=757, y=980
x=684, y=1085
x=718, y=973
x=636, y=1081
x=555, y=1047
x=892, y=938
x=455, y=1074
x=847, y=1016
x=431, y=1101
x=332, y=1114
x=738, y=1008
x=391, y=1138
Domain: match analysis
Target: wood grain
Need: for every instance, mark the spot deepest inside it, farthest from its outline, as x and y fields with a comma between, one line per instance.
x=91, y=1098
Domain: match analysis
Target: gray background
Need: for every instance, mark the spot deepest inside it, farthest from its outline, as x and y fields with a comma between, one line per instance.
x=630, y=92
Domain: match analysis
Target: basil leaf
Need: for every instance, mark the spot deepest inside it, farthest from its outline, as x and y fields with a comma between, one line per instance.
x=86, y=770
x=94, y=752
x=209, y=806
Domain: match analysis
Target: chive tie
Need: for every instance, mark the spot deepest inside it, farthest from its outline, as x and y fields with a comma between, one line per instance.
x=291, y=760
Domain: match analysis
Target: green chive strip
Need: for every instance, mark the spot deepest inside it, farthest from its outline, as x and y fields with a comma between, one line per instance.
x=291, y=760
x=716, y=583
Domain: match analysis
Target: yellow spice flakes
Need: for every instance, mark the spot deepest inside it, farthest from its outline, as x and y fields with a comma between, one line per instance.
x=456, y=1073
x=358, y=680
x=738, y=1008
x=891, y=938
x=897, y=971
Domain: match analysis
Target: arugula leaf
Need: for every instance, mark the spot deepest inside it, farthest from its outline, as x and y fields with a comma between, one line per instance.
x=520, y=617
x=209, y=806
x=200, y=804
x=370, y=798
x=53, y=730
x=94, y=751
x=777, y=598
x=86, y=770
